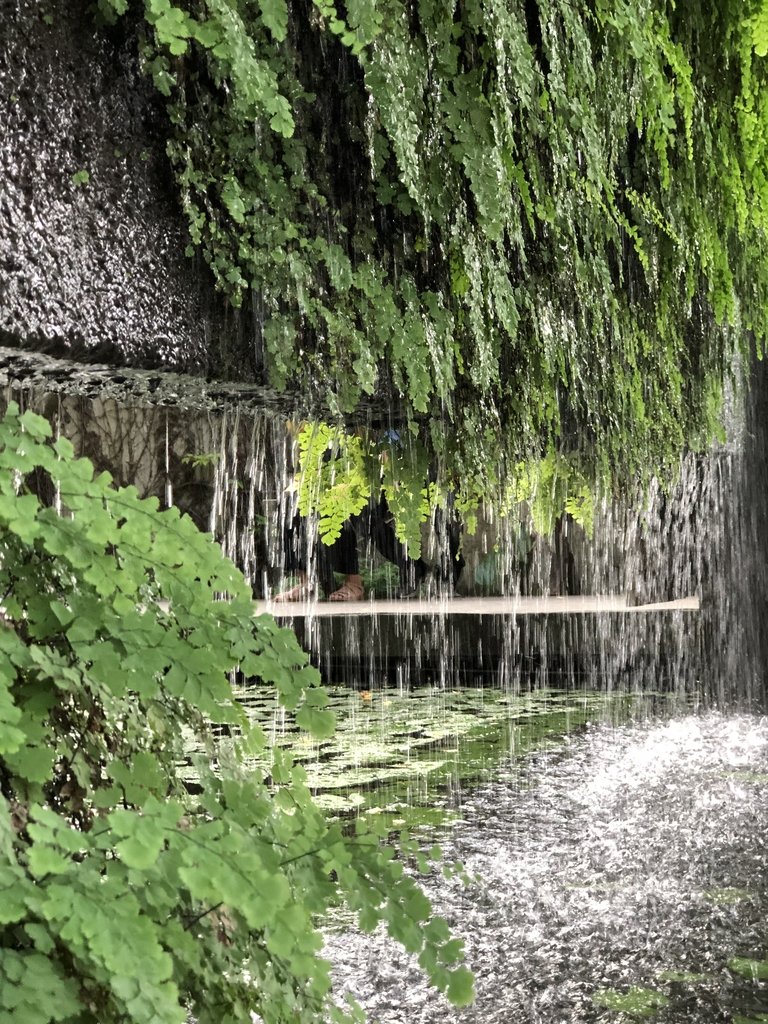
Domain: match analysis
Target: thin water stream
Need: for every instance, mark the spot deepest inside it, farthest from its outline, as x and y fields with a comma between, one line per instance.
x=617, y=874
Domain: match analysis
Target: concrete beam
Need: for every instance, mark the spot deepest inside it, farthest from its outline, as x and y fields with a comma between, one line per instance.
x=475, y=606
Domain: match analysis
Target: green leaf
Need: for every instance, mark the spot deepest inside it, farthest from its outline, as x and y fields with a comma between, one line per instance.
x=282, y=119
x=36, y=426
x=233, y=200
x=418, y=906
x=139, y=851
x=319, y=723
x=274, y=14
x=45, y=861
x=760, y=31
x=32, y=763
x=137, y=781
x=461, y=988
x=16, y=893
x=35, y=989
x=173, y=27
x=206, y=33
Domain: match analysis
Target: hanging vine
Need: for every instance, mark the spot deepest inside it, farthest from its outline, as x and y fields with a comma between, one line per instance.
x=539, y=223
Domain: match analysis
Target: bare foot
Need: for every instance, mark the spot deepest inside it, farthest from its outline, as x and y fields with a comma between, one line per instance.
x=351, y=590
x=301, y=592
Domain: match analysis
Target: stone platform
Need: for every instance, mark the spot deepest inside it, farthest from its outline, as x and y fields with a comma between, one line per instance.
x=477, y=606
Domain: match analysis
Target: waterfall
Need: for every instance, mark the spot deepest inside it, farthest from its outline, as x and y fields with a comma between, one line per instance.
x=231, y=465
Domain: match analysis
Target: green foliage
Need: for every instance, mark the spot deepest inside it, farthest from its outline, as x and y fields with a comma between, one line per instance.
x=550, y=486
x=201, y=460
x=540, y=225
x=404, y=471
x=379, y=580
x=128, y=896
x=333, y=480
x=340, y=472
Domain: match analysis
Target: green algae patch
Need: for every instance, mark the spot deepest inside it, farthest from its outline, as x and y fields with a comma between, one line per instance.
x=636, y=1002
x=727, y=897
x=402, y=755
x=754, y=970
x=757, y=778
x=684, y=977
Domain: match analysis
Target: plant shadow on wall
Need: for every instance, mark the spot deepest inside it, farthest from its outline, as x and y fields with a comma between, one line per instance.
x=538, y=226
x=124, y=896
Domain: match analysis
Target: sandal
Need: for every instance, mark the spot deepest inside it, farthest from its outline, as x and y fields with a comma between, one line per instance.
x=301, y=592
x=348, y=592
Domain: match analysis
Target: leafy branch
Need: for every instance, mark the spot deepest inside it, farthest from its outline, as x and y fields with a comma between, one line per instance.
x=114, y=661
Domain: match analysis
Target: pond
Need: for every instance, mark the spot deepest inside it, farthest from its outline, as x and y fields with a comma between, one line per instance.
x=614, y=843
x=409, y=755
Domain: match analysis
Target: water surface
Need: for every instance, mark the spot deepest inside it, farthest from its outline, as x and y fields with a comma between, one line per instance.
x=627, y=859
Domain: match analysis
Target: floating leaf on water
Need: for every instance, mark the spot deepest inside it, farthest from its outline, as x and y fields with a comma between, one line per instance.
x=725, y=897
x=756, y=777
x=336, y=804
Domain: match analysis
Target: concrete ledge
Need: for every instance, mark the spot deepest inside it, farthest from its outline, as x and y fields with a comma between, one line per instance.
x=475, y=606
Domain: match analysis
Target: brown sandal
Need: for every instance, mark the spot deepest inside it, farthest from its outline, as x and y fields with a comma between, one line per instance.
x=348, y=592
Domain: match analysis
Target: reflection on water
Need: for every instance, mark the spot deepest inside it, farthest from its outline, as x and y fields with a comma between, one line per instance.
x=629, y=856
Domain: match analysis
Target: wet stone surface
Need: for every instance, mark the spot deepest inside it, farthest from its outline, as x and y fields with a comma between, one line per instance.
x=37, y=378
x=91, y=238
x=632, y=858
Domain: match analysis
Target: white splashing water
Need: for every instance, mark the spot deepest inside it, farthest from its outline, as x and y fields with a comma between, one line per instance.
x=627, y=853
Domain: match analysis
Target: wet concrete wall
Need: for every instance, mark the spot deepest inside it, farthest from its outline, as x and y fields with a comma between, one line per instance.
x=92, y=238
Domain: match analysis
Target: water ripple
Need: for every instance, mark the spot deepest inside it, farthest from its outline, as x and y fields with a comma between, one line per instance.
x=630, y=856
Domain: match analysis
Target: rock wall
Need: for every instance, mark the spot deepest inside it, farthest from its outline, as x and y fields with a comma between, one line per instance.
x=92, y=239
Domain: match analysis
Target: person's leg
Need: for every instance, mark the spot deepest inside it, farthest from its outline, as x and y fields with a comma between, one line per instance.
x=456, y=559
x=342, y=557
x=352, y=589
x=382, y=532
x=295, y=561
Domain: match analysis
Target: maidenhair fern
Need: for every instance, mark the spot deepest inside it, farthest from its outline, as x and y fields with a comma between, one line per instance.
x=540, y=224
